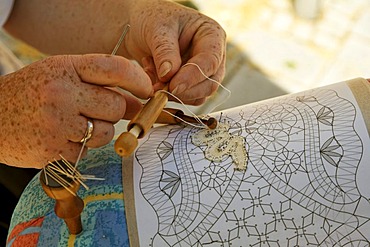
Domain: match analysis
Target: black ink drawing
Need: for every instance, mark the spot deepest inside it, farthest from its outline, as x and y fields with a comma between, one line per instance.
x=299, y=189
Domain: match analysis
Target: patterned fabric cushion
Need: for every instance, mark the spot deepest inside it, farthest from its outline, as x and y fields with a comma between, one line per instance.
x=34, y=222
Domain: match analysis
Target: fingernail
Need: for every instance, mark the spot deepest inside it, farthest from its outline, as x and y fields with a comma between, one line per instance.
x=179, y=89
x=165, y=68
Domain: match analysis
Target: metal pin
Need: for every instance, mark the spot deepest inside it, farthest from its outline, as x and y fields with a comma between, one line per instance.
x=125, y=30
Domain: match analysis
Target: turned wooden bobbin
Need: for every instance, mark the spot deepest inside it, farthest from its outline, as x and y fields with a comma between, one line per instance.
x=152, y=113
x=127, y=142
x=176, y=116
x=68, y=206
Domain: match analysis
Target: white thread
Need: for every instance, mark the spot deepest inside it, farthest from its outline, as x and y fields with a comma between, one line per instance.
x=213, y=80
x=193, y=114
x=187, y=108
x=221, y=143
x=182, y=120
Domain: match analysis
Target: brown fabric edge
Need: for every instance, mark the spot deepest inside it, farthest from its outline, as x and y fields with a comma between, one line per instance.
x=360, y=88
x=129, y=197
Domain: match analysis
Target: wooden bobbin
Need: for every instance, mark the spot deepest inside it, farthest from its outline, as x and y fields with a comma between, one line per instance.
x=67, y=205
x=151, y=113
x=167, y=117
x=138, y=127
x=210, y=122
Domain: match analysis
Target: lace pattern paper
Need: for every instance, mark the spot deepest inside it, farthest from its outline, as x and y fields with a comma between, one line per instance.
x=305, y=184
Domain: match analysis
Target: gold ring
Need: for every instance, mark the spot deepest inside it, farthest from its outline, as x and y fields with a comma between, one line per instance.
x=89, y=130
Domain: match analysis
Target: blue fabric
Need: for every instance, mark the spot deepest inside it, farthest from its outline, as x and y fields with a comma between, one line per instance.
x=103, y=217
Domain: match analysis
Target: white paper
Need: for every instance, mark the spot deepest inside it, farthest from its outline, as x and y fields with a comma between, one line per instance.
x=306, y=183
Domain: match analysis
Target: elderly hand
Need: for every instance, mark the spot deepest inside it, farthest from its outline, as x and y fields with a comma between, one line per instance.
x=165, y=35
x=45, y=106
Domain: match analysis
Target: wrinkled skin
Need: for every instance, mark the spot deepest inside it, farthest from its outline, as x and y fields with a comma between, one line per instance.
x=176, y=35
x=45, y=106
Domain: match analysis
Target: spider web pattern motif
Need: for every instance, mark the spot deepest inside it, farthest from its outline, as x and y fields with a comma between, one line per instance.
x=300, y=188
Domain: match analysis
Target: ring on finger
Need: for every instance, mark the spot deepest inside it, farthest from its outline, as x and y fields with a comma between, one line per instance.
x=88, y=132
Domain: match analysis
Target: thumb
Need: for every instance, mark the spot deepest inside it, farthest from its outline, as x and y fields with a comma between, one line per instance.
x=166, y=55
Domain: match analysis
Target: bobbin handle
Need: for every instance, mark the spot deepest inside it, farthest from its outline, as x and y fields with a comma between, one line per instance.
x=149, y=113
x=167, y=116
x=126, y=144
x=138, y=127
x=175, y=116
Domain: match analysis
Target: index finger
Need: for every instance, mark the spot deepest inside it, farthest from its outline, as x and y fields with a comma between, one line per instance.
x=208, y=51
x=113, y=71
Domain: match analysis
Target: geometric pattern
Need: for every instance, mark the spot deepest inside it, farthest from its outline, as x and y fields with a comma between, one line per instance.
x=300, y=187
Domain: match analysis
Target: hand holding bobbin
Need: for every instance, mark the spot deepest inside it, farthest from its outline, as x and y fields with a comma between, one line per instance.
x=141, y=124
x=152, y=113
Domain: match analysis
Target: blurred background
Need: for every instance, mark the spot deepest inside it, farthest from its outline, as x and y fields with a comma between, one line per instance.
x=275, y=47
x=284, y=46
